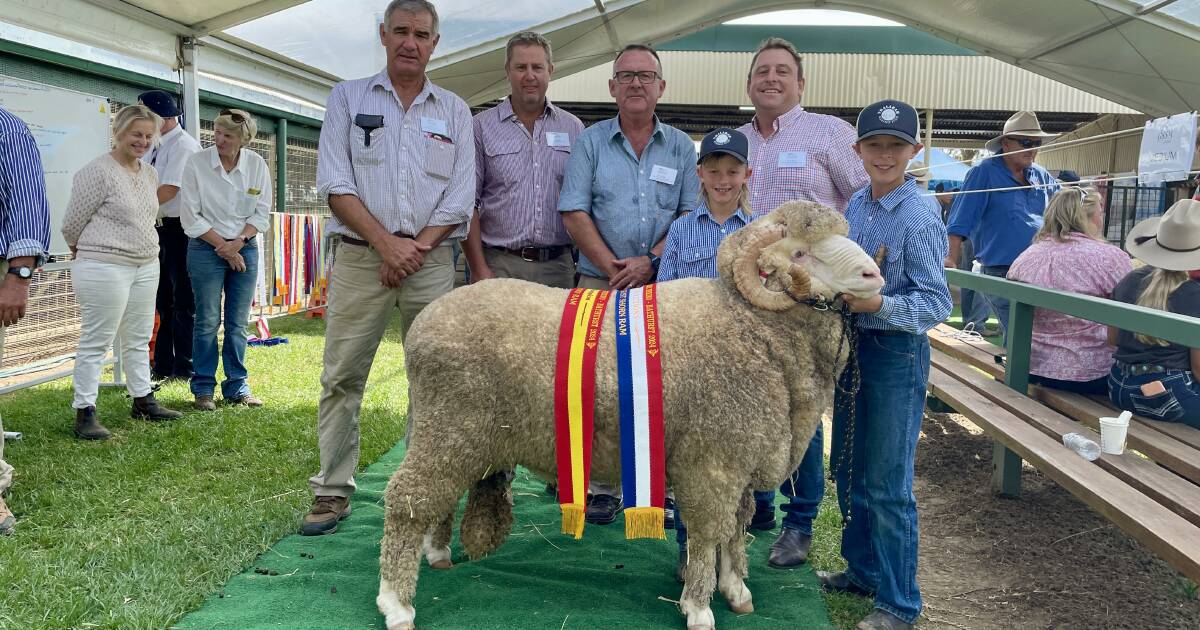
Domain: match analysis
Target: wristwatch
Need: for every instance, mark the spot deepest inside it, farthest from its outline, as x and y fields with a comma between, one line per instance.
x=23, y=272
x=654, y=260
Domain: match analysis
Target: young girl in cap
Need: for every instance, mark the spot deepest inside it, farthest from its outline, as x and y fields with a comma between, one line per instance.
x=1152, y=377
x=693, y=239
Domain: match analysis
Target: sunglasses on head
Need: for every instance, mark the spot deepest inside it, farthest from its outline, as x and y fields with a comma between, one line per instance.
x=1027, y=143
x=238, y=119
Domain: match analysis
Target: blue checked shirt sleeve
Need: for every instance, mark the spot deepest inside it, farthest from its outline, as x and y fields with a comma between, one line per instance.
x=459, y=199
x=928, y=302
x=576, y=193
x=25, y=218
x=335, y=175
x=968, y=206
x=668, y=266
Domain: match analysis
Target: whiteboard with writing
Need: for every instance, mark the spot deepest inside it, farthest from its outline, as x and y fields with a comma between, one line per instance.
x=71, y=129
x=1168, y=145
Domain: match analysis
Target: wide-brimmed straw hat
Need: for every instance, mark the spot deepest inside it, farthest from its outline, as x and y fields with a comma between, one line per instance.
x=1023, y=124
x=1171, y=241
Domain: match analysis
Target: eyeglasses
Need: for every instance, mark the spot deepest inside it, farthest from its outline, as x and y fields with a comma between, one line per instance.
x=1027, y=143
x=644, y=77
x=238, y=119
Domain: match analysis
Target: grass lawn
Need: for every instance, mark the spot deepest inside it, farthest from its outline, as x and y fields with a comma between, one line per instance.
x=134, y=532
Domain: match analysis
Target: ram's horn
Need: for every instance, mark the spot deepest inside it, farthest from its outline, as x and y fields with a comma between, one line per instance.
x=747, y=277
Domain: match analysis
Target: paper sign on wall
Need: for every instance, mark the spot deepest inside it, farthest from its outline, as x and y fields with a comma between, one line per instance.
x=1168, y=147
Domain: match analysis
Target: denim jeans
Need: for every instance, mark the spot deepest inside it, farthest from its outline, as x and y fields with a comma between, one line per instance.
x=998, y=304
x=876, y=491
x=975, y=309
x=1180, y=403
x=804, y=491
x=211, y=276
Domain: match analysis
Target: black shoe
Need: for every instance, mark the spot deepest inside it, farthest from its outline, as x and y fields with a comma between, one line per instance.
x=790, y=549
x=669, y=514
x=147, y=408
x=840, y=583
x=764, y=519
x=602, y=509
x=880, y=620
x=87, y=427
x=552, y=490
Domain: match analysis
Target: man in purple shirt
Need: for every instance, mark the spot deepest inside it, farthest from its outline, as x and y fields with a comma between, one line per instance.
x=795, y=155
x=521, y=151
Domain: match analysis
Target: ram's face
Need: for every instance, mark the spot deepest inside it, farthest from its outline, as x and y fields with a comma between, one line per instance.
x=834, y=265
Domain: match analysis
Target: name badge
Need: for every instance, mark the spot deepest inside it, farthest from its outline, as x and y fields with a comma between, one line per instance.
x=434, y=125
x=793, y=159
x=557, y=139
x=663, y=174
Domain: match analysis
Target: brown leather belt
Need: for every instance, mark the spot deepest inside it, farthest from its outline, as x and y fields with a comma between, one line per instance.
x=361, y=243
x=535, y=254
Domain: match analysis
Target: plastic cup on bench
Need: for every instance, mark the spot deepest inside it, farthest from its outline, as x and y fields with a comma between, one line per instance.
x=1113, y=432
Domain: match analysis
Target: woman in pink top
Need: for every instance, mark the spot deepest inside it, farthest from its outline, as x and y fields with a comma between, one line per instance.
x=1068, y=254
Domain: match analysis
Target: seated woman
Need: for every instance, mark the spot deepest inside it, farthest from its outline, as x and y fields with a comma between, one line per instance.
x=1068, y=254
x=1152, y=377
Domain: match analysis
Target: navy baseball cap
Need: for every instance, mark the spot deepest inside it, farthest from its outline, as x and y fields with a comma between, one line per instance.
x=725, y=140
x=892, y=118
x=160, y=102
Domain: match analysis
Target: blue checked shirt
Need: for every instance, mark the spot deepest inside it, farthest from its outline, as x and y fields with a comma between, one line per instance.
x=1000, y=224
x=915, y=295
x=631, y=210
x=692, y=242
x=24, y=212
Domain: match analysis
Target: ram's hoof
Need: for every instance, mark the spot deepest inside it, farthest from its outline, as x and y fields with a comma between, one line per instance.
x=441, y=564
x=744, y=608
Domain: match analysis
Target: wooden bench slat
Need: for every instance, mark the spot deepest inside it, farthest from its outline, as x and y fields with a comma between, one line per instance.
x=1158, y=446
x=1167, y=534
x=972, y=354
x=1176, y=493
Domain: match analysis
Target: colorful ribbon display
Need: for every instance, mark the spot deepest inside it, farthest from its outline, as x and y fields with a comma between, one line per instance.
x=574, y=398
x=299, y=273
x=639, y=386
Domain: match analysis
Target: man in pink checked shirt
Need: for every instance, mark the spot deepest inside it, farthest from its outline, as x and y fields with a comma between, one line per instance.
x=795, y=154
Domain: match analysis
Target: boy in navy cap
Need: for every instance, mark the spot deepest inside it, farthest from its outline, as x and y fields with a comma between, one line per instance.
x=888, y=219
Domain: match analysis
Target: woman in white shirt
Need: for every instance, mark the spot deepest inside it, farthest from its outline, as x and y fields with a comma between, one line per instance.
x=226, y=202
x=109, y=226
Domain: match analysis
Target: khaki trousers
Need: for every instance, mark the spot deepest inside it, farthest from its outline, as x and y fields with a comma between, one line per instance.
x=595, y=487
x=559, y=272
x=6, y=471
x=357, y=316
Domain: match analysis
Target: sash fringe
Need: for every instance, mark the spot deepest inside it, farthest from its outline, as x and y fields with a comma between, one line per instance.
x=644, y=522
x=572, y=520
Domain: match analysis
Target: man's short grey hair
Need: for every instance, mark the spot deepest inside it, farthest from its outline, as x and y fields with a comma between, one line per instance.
x=777, y=43
x=646, y=47
x=527, y=38
x=411, y=6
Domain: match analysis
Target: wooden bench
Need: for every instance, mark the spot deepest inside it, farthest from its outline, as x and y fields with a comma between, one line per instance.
x=1151, y=492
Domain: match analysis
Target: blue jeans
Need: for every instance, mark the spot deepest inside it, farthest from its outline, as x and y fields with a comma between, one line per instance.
x=1180, y=403
x=211, y=276
x=880, y=541
x=998, y=304
x=804, y=491
x=975, y=309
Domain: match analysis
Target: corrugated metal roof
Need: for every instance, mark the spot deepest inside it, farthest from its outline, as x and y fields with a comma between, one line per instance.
x=856, y=80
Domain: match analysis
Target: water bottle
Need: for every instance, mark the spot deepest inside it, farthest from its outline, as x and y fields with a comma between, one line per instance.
x=1082, y=446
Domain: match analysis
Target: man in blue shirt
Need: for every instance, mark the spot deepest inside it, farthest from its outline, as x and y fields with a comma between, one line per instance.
x=1001, y=223
x=24, y=239
x=627, y=180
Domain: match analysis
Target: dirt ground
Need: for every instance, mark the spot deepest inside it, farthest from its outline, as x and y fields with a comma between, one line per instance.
x=1045, y=560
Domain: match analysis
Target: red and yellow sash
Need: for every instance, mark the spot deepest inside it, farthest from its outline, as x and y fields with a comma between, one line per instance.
x=574, y=397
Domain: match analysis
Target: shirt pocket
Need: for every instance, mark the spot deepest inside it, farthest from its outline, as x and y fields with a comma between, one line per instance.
x=666, y=196
x=363, y=156
x=247, y=202
x=439, y=158
x=698, y=255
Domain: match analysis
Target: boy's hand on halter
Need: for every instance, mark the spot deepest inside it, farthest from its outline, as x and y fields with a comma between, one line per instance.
x=863, y=305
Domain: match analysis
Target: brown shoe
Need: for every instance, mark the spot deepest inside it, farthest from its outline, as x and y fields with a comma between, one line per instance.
x=248, y=400
x=205, y=403
x=7, y=520
x=87, y=427
x=148, y=408
x=324, y=516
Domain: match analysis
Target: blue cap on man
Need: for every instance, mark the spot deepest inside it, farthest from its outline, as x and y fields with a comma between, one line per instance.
x=889, y=117
x=160, y=102
x=725, y=140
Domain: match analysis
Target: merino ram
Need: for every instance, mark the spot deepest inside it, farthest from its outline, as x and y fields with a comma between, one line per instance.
x=747, y=372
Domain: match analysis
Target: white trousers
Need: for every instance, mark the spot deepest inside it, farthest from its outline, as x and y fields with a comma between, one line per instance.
x=116, y=301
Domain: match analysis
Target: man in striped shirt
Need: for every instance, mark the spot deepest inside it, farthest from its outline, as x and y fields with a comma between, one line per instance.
x=795, y=155
x=397, y=163
x=521, y=151
x=25, y=238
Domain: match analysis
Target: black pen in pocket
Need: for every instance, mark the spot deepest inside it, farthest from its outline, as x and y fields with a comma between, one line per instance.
x=368, y=123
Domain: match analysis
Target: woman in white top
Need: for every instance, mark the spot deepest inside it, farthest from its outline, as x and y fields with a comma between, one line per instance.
x=109, y=226
x=226, y=202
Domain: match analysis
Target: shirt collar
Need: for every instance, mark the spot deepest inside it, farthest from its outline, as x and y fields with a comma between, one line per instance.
x=505, y=109
x=615, y=128
x=1033, y=172
x=893, y=199
x=170, y=135
x=783, y=121
x=703, y=211
x=382, y=80
x=216, y=160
